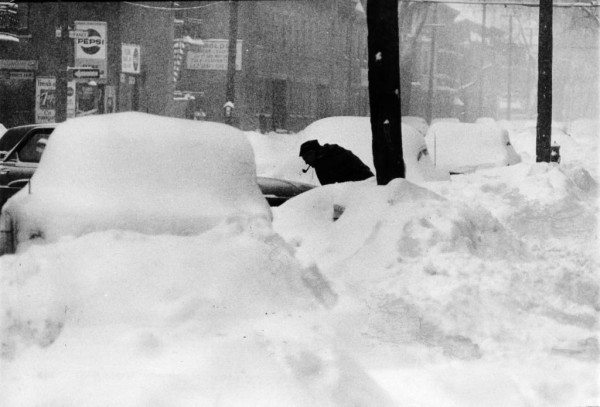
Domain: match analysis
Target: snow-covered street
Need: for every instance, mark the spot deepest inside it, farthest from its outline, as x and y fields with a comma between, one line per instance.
x=478, y=291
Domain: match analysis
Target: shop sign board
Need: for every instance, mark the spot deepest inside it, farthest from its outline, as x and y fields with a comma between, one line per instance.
x=20, y=75
x=130, y=58
x=16, y=75
x=77, y=34
x=45, y=99
x=212, y=56
x=19, y=64
x=91, y=51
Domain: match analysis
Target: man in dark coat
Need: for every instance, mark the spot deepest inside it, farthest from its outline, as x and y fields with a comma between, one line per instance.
x=333, y=163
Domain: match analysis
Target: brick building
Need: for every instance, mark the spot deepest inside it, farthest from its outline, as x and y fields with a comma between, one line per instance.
x=294, y=64
x=300, y=61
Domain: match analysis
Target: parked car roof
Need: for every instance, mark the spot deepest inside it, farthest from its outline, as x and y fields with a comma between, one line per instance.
x=12, y=136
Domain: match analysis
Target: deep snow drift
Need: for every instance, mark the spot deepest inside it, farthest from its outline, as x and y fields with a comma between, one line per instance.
x=478, y=291
x=483, y=294
x=226, y=318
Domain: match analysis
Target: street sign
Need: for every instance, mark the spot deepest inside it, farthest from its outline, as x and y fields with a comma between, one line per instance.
x=78, y=34
x=84, y=73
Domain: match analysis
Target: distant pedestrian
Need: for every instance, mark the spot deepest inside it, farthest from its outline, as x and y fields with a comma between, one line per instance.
x=333, y=163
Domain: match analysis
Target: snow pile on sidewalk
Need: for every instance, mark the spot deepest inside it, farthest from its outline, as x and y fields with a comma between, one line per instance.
x=578, y=142
x=468, y=295
x=228, y=317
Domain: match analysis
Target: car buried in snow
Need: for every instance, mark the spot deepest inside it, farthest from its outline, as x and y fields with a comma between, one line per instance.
x=466, y=147
x=130, y=171
x=354, y=133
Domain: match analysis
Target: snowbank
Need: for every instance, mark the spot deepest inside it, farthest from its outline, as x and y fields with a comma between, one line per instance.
x=460, y=147
x=578, y=143
x=228, y=317
x=139, y=172
x=470, y=295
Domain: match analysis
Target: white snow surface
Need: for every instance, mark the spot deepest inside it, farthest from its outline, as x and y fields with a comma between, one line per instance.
x=460, y=147
x=478, y=291
x=140, y=172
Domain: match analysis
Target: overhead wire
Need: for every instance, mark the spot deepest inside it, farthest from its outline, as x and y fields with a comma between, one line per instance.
x=146, y=6
x=592, y=3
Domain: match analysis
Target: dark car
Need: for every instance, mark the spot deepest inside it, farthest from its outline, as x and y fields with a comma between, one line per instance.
x=20, y=153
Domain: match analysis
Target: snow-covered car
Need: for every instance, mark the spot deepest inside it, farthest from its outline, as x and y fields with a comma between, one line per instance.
x=465, y=147
x=354, y=133
x=418, y=123
x=19, y=166
x=134, y=171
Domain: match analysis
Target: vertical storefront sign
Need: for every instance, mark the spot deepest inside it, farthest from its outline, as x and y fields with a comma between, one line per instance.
x=130, y=58
x=110, y=99
x=89, y=99
x=45, y=99
x=71, y=99
x=91, y=51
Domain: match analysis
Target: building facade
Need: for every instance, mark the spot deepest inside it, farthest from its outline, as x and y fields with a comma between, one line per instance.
x=297, y=61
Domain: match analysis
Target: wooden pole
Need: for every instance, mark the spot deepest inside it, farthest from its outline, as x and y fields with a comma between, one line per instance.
x=544, y=106
x=384, y=89
x=232, y=51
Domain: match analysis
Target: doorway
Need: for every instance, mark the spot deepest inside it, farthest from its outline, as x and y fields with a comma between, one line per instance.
x=322, y=101
x=279, y=104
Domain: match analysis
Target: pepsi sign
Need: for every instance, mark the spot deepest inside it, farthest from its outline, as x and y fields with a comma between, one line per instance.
x=94, y=45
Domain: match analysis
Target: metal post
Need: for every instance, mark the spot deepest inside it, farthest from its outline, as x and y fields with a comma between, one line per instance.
x=544, y=108
x=509, y=73
x=430, y=92
x=233, y=28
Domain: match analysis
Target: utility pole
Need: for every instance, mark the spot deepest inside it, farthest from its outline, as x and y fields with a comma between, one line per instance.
x=430, y=91
x=482, y=62
x=509, y=73
x=60, y=95
x=384, y=89
x=349, y=40
x=544, y=105
x=231, y=57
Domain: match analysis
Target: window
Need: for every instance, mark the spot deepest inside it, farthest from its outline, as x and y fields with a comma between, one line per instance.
x=23, y=17
x=32, y=150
